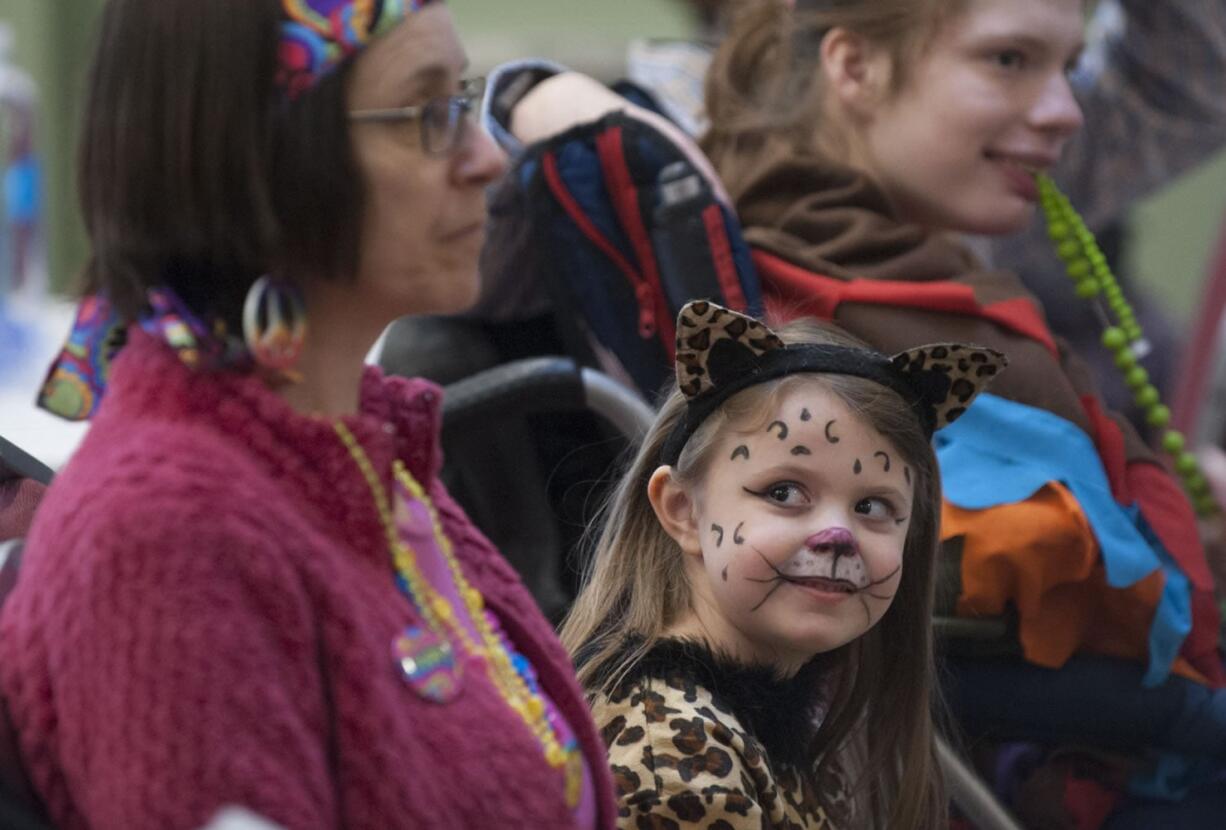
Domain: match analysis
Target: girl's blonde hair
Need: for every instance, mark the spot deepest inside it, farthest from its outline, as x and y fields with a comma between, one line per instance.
x=881, y=692
x=763, y=87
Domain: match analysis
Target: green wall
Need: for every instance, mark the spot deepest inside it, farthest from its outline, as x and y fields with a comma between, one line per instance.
x=1177, y=234
x=579, y=33
x=52, y=40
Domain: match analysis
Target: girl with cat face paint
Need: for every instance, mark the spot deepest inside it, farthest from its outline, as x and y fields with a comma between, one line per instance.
x=754, y=628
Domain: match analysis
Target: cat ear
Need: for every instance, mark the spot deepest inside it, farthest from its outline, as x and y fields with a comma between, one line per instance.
x=949, y=376
x=715, y=344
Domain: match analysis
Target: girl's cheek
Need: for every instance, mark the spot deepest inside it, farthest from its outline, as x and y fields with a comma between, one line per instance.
x=886, y=566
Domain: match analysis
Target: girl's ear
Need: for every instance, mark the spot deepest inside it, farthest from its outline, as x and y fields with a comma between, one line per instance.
x=675, y=510
x=855, y=71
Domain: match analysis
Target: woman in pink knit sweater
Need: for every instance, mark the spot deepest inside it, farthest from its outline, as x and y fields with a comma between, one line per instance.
x=248, y=587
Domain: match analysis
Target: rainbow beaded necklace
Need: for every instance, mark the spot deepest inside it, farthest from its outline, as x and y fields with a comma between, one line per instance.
x=510, y=674
x=1122, y=334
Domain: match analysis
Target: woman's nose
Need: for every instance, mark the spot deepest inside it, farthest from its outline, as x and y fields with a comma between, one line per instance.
x=1056, y=111
x=480, y=160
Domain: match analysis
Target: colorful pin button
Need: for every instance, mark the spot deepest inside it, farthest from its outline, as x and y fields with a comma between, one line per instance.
x=428, y=663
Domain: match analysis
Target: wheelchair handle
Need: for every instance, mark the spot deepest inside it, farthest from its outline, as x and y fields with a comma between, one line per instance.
x=14, y=461
x=544, y=384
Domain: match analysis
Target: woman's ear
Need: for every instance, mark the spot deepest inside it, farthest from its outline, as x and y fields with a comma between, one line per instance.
x=855, y=72
x=675, y=510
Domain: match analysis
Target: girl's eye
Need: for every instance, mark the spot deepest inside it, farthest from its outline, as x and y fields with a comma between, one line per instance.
x=875, y=508
x=1009, y=59
x=784, y=492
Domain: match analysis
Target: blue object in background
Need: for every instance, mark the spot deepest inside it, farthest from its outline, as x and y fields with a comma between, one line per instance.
x=1003, y=452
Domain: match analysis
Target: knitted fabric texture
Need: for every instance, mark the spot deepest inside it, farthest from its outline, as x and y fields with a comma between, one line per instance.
x=206, y=612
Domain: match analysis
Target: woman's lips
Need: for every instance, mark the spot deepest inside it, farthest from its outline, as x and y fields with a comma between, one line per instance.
x=1020, y=173
x=465, y=232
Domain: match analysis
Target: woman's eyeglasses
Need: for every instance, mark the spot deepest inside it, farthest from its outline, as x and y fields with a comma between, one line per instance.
x=442, y=119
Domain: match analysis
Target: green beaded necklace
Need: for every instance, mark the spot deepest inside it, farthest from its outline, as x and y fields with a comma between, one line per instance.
x=1088, y=268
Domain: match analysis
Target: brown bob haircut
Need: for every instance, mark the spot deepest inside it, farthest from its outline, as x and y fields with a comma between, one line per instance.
x=196, y=173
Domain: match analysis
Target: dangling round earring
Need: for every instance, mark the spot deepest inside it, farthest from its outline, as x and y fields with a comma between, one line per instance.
x=274, y=326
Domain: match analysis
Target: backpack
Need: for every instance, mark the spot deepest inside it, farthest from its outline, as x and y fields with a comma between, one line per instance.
x=622, y=221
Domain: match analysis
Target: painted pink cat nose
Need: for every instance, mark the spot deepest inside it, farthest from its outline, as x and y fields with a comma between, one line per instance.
x=839, y=538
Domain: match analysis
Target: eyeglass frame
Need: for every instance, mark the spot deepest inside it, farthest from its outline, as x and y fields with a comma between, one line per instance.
x=462, y=104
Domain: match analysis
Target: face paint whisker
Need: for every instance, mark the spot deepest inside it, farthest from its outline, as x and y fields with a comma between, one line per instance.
x=778, y=580
x=778, y=573
x=883, y=579
x=769, y=594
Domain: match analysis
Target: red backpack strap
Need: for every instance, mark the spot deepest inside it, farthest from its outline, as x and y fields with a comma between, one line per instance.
x=721, y=255
x=625, y=200
x=813, y=293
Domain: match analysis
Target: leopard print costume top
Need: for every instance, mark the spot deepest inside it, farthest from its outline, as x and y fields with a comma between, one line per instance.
x=690, y=737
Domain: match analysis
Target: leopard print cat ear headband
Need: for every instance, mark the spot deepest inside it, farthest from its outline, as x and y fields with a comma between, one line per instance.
x=721, y=352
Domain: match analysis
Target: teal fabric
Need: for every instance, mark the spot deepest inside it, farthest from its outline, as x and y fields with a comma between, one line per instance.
x=1003, y=452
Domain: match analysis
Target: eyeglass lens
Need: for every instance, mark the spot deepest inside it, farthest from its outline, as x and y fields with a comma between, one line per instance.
x=443, y=122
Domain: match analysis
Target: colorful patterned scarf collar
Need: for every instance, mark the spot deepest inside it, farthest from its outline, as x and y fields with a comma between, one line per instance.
x=316, y=35
x=78, y=377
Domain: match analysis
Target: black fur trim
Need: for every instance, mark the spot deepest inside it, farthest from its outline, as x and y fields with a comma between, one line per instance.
x=782, y=713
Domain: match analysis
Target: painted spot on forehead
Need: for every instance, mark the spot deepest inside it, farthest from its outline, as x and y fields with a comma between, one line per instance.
x=885, y=457
x=740, y=452
x=806, y=415
x=724, y=573
x=782, y=427
x=857, y=468
x=801, y=449
x=830, y=436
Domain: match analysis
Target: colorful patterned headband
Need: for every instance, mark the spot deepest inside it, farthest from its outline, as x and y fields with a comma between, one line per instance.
x=721, y=352
x=316, y=35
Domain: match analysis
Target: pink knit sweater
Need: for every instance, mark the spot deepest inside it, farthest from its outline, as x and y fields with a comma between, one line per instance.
x=206, y=613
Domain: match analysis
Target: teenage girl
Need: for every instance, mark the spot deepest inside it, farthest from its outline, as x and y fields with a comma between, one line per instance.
x=754, y=628
x=856, y=139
